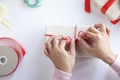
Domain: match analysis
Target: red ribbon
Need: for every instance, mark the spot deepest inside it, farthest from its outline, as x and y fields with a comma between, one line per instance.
x=115, y=22
x=103, y=9
x=107, y=6
x=87, y=6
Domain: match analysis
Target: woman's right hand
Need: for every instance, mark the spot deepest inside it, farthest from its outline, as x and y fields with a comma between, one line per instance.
x=98, y=43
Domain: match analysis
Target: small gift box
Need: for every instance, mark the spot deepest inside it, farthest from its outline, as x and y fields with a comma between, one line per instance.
x=108, y=7
x=71, y=32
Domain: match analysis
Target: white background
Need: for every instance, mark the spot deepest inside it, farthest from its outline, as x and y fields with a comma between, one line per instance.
x=29, y=29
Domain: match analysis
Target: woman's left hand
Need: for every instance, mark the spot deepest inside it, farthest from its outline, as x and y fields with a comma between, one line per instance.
x=63, y=59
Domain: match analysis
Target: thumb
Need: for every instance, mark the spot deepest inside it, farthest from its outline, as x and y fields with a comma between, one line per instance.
x=72, y=47
x=83, y=43
x=108, y=31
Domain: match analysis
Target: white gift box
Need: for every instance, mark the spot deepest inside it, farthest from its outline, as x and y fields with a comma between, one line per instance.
x=111, y=7
x=70, y=31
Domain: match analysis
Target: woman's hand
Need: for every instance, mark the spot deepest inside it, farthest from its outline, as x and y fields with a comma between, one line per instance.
x=96, y=42
x=63, y=59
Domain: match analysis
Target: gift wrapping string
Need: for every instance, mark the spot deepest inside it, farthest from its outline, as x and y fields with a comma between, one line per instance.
x=68, y=38
x=103, y=9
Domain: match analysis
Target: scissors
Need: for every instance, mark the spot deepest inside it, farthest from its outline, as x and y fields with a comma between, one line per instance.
x=33, y=5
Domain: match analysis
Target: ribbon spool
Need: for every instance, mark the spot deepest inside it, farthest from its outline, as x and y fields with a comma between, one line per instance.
x=11, y=53
x=8, y=60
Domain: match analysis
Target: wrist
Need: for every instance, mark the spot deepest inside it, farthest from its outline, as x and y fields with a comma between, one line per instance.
x=67, y=70
x=58, y=74
x=110, y=59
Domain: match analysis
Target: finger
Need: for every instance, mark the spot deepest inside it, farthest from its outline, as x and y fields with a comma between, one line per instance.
x=90, y=34
x=46, y=51
x=92, y=29
x=83, y=43
x=56, y=41
x=62, y=44
x=100, y=27
x=108, y=31
x=81, y=33
x=49, y=43
x=72, y=47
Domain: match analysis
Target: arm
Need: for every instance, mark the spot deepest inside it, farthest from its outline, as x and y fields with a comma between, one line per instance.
x=63, y=60
x=96, y=42
x=116, y=65
x=61, y=75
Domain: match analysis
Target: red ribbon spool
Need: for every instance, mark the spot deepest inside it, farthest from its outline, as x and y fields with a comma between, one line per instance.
x=11, y=43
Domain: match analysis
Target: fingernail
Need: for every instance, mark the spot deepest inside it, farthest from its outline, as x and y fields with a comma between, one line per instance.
x=68, y=41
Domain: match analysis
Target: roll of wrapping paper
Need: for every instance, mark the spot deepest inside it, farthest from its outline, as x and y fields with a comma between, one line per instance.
x=11, y=53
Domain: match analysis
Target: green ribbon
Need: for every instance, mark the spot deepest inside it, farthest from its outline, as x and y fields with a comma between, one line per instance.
x=33, y=5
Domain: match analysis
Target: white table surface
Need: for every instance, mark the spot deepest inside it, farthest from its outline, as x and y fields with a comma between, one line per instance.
x=29, y=30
